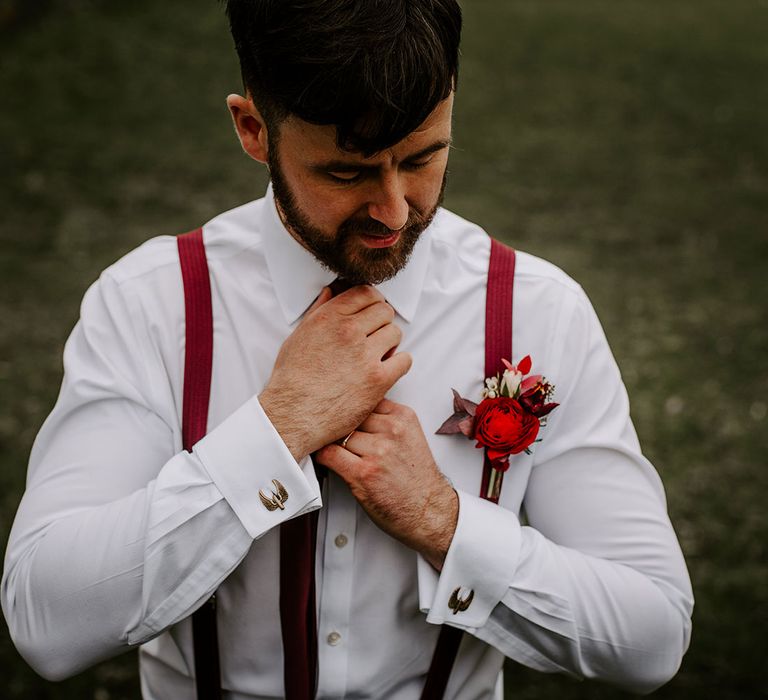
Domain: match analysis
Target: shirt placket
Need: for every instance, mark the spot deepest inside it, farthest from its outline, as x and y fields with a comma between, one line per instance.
x=335, y=590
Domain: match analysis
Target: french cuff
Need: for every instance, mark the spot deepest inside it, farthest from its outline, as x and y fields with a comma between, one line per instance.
x=256, y=473
x=479, y=566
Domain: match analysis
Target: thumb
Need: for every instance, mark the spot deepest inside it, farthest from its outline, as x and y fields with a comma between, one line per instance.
x=325, y=295
x=399, y=363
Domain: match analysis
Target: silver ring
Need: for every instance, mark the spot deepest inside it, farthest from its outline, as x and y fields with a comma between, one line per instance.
x=344, y=441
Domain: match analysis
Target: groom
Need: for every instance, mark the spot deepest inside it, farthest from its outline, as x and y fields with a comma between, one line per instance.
x=122, y=534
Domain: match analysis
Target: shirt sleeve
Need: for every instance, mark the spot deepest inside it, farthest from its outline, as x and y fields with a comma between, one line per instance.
x=594, y=584
x=120, y=534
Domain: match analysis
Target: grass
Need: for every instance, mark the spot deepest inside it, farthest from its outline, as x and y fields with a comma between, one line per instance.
x=625, y=141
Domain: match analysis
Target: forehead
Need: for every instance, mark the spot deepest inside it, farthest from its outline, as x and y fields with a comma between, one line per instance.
x=313, y=142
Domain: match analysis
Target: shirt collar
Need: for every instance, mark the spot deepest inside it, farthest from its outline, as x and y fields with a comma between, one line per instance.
x=298, y=277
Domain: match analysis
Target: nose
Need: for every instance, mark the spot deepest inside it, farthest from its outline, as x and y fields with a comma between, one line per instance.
x=388, y=204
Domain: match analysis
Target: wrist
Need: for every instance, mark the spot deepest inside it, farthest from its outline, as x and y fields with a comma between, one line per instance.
x=440, y=523
x=285, y=419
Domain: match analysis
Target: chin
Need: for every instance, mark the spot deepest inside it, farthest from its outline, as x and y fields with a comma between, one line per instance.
x=375, y=265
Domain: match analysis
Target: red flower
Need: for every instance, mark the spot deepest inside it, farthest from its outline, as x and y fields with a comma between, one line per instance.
x=505, y=428
x=534, y=395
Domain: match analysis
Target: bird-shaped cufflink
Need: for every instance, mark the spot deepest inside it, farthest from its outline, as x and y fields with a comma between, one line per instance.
x=459, y=603
x=276, y=498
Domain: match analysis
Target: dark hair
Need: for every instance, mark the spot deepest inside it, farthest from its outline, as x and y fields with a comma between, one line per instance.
x=373, y=68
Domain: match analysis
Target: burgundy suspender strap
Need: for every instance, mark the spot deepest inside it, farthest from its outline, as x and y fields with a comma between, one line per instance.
x=198, y=359
x=498, y=345
x=498, y=328
x=198, y=353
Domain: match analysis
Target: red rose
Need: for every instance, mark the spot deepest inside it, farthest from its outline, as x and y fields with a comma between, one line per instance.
x=504, y=427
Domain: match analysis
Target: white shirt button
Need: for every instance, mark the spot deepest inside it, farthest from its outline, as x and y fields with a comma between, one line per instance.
x=340, y=541
x=333, y=638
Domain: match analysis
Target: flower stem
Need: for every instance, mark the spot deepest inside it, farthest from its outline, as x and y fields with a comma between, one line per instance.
x=493, y=480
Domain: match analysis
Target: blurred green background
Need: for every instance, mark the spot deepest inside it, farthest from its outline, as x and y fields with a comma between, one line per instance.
x=626, y=141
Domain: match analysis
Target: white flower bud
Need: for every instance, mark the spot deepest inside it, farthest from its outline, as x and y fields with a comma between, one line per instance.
x=510, y=382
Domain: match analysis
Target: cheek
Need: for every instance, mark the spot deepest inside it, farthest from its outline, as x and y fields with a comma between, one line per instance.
x=424, y=189
x=326, y=208
x=334, y=209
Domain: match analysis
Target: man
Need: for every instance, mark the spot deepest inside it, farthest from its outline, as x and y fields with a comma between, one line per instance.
x=122, y=534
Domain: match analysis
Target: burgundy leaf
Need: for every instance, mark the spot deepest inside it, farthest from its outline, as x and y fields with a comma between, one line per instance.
x=469, y=406
x=457, y=407
x=461, y=404
x=466, y=426
x=453, y=424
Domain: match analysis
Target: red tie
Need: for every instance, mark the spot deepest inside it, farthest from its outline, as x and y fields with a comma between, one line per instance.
x=298, y=619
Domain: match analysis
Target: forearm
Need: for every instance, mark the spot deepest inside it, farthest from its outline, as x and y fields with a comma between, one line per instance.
x=93, y=583
x=81, y=583
x=589, y=617
x=557, y=609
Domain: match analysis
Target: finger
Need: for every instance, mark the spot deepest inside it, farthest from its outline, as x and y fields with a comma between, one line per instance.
x=339, y=460
x=359, y=443
x=357, y=298
x=375, y=316
x=324, y=296
x=385, y=406
x=384, y=339
x=375, y=423
x=398, y=365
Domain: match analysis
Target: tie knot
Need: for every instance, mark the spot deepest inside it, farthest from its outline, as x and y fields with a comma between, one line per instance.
x=339, y=285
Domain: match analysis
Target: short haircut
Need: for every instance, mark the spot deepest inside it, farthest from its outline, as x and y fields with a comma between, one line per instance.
x=375, y=69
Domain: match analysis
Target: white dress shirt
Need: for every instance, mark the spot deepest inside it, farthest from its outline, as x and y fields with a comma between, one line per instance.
x=121, y=534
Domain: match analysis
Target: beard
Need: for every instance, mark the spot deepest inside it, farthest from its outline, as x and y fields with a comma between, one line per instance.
x=343, y=254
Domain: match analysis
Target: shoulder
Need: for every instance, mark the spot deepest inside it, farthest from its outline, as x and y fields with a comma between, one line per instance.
x=552, y=314
x=459, y=243
x=226, y=235
x=142, y=292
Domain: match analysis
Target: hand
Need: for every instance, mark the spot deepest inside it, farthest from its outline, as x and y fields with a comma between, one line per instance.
x=333, y=369
x=390, y=470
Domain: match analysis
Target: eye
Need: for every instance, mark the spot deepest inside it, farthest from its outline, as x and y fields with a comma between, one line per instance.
x=417, y=164
x=345, y=177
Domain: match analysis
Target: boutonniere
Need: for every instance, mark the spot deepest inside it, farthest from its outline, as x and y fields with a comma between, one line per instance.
x=507, y=420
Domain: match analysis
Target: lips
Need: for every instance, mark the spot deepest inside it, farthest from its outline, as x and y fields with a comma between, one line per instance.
x=385, y=241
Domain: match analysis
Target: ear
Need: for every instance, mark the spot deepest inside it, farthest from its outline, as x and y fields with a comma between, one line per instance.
x=250, y=127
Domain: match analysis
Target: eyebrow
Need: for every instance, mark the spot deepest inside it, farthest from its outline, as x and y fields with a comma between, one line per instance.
x=343, y=166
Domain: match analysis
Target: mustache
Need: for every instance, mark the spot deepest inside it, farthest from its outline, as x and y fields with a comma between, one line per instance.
x=371, y=227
